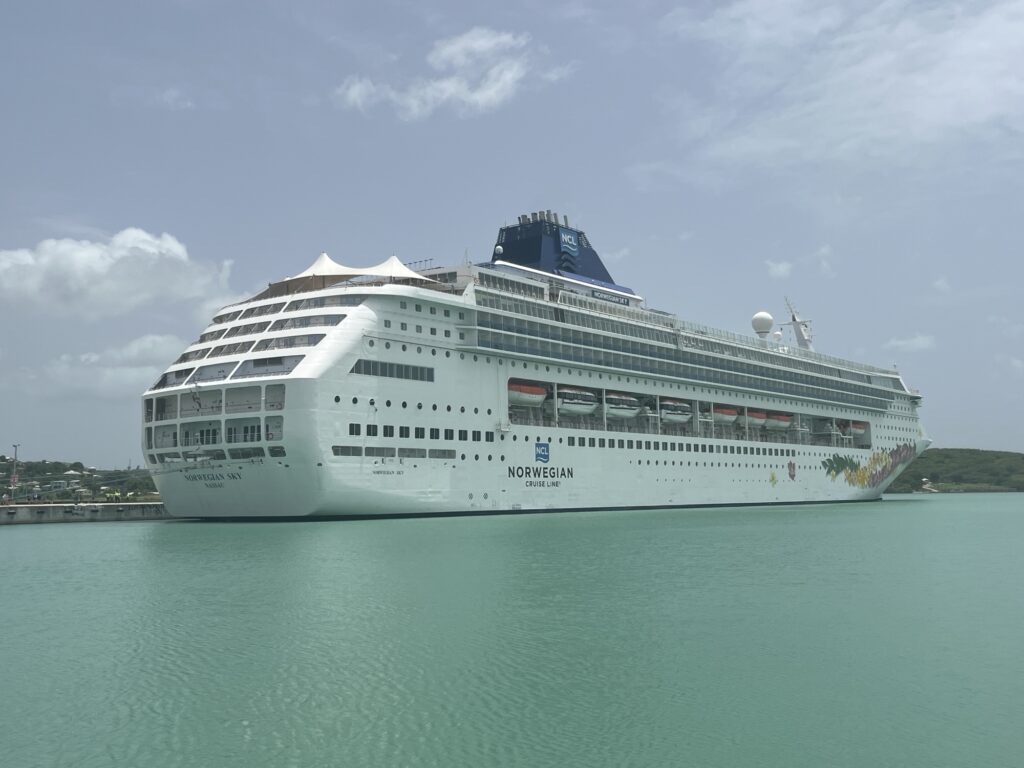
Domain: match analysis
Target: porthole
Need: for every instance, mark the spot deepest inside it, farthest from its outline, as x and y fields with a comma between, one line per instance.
x=404, y=347
x=447, y=354
x=448, y=408
x=405, y=404
x=370, y=343
x=387, y=345
x=476, y=410
x=355, y=400
x=433, y=352
x=462, y=409
x=337, y=398
x=372, y=401
x=434, y=406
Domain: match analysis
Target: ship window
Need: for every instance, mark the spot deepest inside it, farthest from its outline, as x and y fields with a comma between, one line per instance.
x=433, y=331
x=195, y=354
x=287, y=342
x=433, y=310
x=435, y=433
x=419, y=433
x=383, y=452
x=387, y=323
x=488, y=437
x=267, y=309
x=243, y=330
x=449, y=434
x=308, y=321
x=404, y=326
x=447, y=313
x=347, y=450
x=622, y=444
x=600, y=442
x=403, y=431
x=572, y=441
x=441, y=453
x=237, y=348
x=371, y=430
x=325, y=301
x=591, y=442
x=412, y=453
x=276, y=450
x=214, y=372
x=403, y=305
x=393, y=370
x=173, y=378
x=656, y=446
x=267, y=366
x=245, y=453
x=226, y=318
x=419, y=329
x=354, y=429
x=419, y=307
x=389, y=430
x=463, y=434
x=476, y=435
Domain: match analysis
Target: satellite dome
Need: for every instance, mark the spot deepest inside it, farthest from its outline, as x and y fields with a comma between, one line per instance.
x=762, y=323
x=498, y=250
x=776, y=336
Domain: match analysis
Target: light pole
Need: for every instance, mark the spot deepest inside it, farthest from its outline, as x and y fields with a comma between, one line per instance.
x=14, y=472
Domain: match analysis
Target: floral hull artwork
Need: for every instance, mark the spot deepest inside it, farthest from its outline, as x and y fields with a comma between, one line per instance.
x=878, y=468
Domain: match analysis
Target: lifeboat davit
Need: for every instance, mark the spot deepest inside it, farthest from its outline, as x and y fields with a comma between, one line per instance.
x=777, y=420
x=620, y=406
x=858, y=428
x=755, y=418
x=724, y=414
x=523, y=393
x=576, y=402
x=675, y=411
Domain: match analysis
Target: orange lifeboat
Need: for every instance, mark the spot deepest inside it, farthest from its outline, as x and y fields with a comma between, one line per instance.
x=524, y=393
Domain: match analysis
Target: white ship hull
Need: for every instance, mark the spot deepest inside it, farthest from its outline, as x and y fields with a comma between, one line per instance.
x=396, y=402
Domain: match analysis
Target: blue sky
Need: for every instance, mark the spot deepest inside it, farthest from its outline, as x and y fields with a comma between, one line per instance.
x=160, y=160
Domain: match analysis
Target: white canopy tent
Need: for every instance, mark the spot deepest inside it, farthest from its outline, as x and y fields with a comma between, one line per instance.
x=326, y=271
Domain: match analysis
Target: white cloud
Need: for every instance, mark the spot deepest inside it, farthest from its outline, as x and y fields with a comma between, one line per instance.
x=88, y=278
x=477, y=71
x=941, y=285
x=823, y=258
x=914, y=343
x=779, y=269
x=173, y=99
x=802, y=81
x=110, y=374
x=1014, y=364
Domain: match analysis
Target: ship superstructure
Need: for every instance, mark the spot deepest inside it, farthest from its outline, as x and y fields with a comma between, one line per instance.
x=529, y=382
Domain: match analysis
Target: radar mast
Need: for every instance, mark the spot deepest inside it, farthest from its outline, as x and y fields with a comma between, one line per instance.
x=801, y=327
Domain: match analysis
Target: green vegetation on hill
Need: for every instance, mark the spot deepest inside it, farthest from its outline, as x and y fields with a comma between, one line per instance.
x=963, y=469
x=72, y=481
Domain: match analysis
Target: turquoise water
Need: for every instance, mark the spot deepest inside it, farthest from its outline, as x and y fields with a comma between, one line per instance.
x=884, y=634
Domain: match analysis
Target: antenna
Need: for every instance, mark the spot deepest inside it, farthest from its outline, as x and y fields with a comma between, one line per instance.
x=801, y=327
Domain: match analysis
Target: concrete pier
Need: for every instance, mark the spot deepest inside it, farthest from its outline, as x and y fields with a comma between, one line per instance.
x=16, y=514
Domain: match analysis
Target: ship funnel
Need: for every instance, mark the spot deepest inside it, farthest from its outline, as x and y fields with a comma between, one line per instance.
x=566, y=219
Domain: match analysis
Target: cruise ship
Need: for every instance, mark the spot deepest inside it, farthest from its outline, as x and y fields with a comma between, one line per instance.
x=531, y=382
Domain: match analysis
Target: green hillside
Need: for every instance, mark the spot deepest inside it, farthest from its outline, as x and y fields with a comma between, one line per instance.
x=964, y=469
